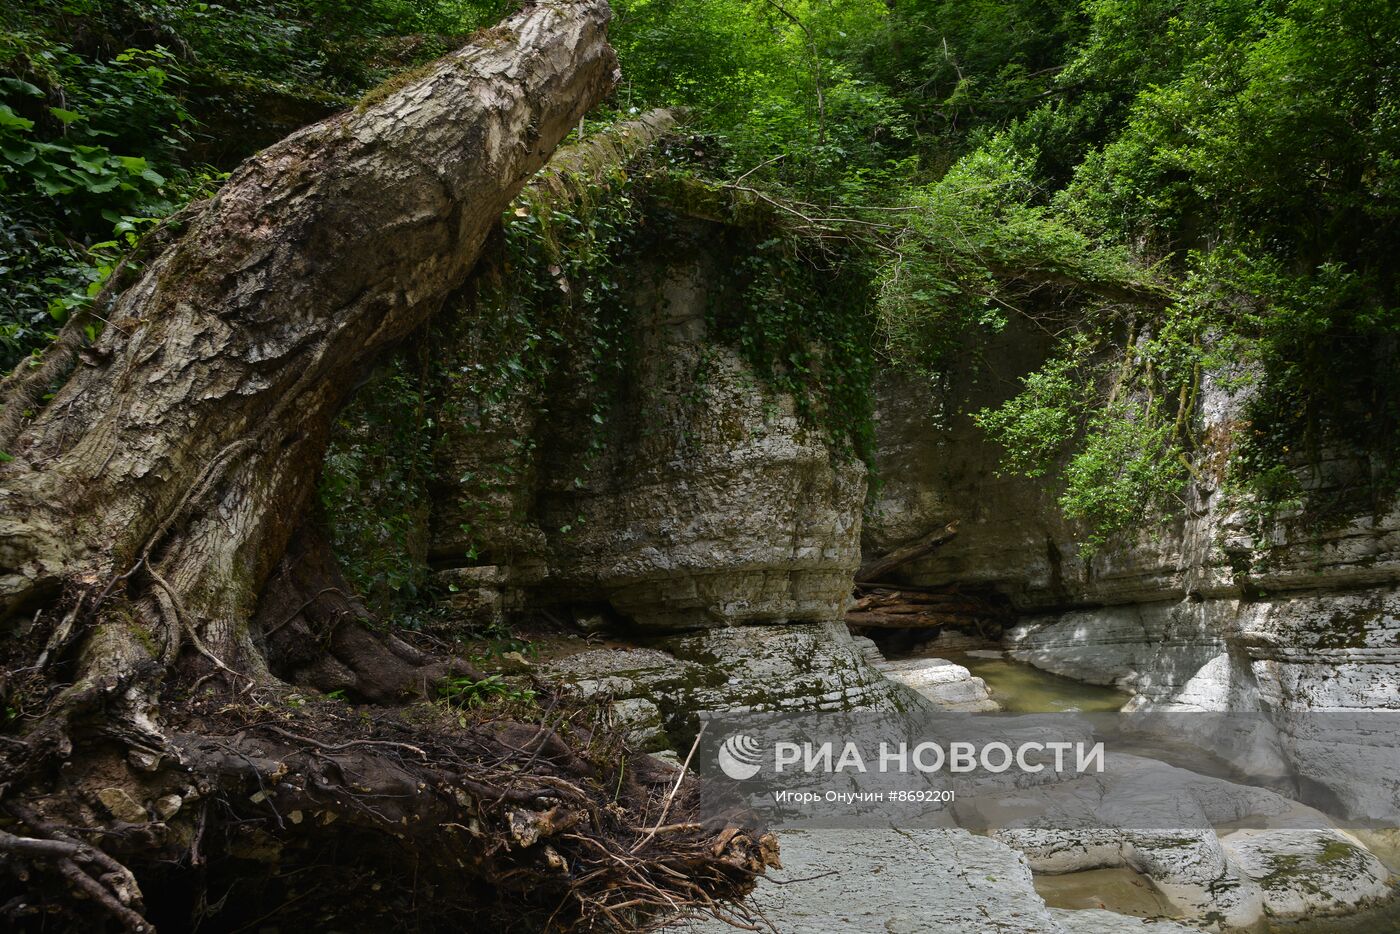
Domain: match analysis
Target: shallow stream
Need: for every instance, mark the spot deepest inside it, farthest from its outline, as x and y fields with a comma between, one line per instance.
x=1022, y=688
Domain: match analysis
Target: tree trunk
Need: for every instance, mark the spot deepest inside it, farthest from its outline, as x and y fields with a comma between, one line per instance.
x=872, y=571
x=148, y=502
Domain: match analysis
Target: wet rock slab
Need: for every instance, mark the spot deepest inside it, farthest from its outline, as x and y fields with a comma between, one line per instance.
x=910, y=882
x=945, y=684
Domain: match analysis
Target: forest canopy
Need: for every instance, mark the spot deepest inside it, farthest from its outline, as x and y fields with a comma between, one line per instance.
x=1211, y=183
x=306, y=306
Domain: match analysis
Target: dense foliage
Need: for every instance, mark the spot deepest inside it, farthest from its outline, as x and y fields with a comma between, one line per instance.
x=113, y=114
x=1211, y=184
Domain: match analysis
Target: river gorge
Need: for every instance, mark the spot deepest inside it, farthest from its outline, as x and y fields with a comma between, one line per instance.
x=808, y=466
x=700, y=558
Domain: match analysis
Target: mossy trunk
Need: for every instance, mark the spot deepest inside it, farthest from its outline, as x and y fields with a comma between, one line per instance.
x=151, y=498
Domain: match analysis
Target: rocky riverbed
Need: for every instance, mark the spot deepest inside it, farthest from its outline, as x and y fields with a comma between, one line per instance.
x=891, y=878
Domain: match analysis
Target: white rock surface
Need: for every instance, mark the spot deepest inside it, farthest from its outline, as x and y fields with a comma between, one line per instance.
x=947, y=685
x=1230, y=884
x=886, y=881
x=1308, y=873
x=1098, y=921
x=816, y=666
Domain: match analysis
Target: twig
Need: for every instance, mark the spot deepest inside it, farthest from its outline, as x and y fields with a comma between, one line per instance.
x=781, y=155
x=671, y=795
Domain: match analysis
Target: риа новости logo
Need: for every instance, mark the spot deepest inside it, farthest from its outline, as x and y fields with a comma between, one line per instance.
x=739, y=757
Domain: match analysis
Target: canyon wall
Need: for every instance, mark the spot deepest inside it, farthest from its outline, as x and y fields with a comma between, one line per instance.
x=696, y=498
x=1208, y=611
x=668, y=496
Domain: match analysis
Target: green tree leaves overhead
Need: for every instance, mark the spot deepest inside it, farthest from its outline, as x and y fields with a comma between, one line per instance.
x=1204, y=182
x=106, y=110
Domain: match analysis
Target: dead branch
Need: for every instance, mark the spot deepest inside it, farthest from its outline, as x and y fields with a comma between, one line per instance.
x=873, y=571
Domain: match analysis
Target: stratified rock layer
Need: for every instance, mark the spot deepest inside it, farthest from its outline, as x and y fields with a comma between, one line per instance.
x=1206, y=612
x=945, y=684
x=914, y=882
x=699, y=500
x=734, y=670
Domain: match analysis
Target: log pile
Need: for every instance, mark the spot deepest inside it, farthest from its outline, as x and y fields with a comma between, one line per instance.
x=878, y=605
x=879, y=568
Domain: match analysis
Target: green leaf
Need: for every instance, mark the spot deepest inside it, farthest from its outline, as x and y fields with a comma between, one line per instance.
x=52, y=185
x=17, y=86
x=64, y=115
x=9, y=118
x=18, y=155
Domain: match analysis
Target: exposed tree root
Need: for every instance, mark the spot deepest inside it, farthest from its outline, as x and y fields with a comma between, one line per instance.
x=124, y=783
x=314, y=632
x=547, y=811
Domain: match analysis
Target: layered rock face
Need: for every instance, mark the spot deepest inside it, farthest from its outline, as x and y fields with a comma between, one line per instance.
x=1199, y=614
x=717, y=507
x=676, y=501
x=699, y=500
x=733, y=670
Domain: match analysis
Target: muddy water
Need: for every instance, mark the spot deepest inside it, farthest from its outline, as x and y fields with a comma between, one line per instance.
x=1123, y=890
x=1022, y=688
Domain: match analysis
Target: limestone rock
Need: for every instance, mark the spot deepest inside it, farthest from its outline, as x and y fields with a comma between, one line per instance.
x=642, y=720
x=868, y=649
x=761, y=668
x=798, y=667
x=1098, y=921
x=903, y=882
x=167, y=806
x=721, y=508
x=1308, y=873
x=699, y=501
x=1231, y=883
x=948, y=685
x=476, y=595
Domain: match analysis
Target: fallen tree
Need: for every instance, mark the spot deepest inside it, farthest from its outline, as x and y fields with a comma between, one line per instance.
x=871, y=572
x=155, y=557
x=878, y=607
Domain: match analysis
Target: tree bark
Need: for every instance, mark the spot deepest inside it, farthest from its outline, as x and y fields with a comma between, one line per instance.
x=205, y=405
x=148, y=502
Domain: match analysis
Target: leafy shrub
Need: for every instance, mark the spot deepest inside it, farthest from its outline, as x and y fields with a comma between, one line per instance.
x=466, y=692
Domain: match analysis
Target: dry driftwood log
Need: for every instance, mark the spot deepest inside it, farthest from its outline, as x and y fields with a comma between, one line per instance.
x=895, y=608
x=888, y=606
x=871, y=572
x=152, y=733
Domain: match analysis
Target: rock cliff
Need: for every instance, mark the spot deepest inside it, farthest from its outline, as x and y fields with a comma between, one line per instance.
x=701, y=500
x=1207, y=612
x=657, y=488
